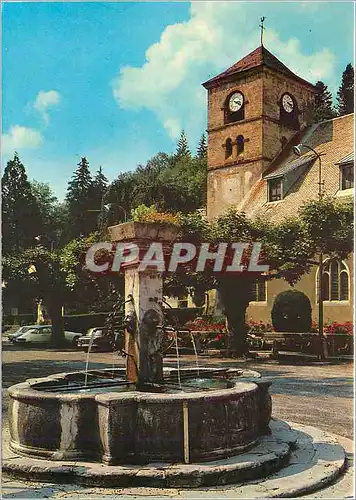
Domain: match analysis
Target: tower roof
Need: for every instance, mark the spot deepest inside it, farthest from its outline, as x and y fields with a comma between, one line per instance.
x=258, y=57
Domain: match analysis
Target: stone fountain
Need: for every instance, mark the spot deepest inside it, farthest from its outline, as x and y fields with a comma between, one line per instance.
x=141, y=416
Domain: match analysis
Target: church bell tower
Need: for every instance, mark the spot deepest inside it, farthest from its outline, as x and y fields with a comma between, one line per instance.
x=254, y=108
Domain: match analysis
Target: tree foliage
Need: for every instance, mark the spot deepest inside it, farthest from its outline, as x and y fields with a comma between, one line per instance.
x=182, y=150
x=345, y=94
x=21, y=214
x=202, y=149
x=323, y=103
x=288, y=247
x=79, y=202
x=292, y=312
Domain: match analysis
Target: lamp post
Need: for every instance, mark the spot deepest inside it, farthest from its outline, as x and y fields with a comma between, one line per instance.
x=298, y=150
x=107, y=206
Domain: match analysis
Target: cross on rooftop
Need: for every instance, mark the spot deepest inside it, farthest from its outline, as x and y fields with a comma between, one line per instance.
x=262, y=28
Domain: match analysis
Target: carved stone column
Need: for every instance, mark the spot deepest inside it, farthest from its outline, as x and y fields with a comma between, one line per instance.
x=143, y=336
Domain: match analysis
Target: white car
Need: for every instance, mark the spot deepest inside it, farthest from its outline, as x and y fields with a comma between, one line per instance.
x=20, y=331
x=41, y=334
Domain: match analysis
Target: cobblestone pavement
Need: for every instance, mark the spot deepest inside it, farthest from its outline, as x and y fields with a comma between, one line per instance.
x=307, y=392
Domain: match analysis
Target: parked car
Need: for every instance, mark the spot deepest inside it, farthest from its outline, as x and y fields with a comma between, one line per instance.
x=98, y=339
x=12, y=336
x=41, y=334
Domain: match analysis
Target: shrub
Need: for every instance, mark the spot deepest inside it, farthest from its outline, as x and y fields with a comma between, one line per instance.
x=292, y=312
x=143, y=213
x=339, y=328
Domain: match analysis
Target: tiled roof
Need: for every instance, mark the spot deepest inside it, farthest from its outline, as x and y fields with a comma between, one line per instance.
x=259, y=57
x=332, y=140
x=286, y=167
x=346, y=159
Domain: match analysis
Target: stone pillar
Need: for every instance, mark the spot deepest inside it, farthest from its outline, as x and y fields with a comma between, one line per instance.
x=143, y=335
x=144, y=361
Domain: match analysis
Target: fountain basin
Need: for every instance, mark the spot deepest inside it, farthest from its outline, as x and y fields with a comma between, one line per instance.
x=129, y=426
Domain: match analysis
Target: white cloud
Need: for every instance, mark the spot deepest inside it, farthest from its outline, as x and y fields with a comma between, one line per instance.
x=44, y=101
x=19, y=138
x=217, y=35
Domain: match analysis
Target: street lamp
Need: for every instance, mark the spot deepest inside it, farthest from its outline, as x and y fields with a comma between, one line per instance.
x=298, y=151
x=107, y=207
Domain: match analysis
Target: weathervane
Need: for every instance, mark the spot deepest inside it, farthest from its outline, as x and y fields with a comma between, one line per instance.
x=262, y=28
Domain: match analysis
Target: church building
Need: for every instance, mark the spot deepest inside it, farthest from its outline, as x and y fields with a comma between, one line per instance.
x=258, y=110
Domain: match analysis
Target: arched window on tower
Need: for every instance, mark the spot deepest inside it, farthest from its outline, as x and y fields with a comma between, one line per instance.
x=228, y=148
x=240, y=141
x=335, y=281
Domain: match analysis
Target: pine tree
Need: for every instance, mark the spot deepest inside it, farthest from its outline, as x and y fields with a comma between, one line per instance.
x=99, y=189
x=100, y=183
x=182, y=149
x=202, y=149
x=21, y=218
x=323, y=103
x=345, y=94
x=79, y=201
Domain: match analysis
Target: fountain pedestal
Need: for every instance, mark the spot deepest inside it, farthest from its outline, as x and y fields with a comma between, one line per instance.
x=143, y=336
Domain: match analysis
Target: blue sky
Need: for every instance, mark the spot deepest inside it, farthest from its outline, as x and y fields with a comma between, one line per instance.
x=116, y=82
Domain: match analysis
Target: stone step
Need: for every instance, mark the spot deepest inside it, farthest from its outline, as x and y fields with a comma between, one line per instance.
x=315, y=463
x=269, y=455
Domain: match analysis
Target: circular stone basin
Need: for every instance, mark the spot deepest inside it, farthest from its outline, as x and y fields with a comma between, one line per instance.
x=214, y=415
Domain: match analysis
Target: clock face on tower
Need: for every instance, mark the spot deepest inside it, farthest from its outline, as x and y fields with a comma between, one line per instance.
x=288, y=103
x=236, y=102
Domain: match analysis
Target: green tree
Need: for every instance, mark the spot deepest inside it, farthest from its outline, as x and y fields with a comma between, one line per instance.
x=60, y=278
x=202, y=149
x=99, y=190
x=182, y=149
x=46, y=281
x=288, y=248
x=53, y=215
x=345, y=94
x=323, y=103
x=21, y=217
x=79, y=201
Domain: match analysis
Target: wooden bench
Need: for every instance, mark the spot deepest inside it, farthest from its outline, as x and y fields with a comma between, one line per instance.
x=307, y=342
x=293, y=342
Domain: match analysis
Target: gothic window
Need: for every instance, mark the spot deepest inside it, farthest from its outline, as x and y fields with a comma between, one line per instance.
x=275, y=189
x=347, y=176
x=228, y=148
x=240, y=141
x=258, y=291
x=335, y=281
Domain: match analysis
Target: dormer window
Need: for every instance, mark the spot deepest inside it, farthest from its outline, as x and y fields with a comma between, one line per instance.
x=346, y=165
x=275, y=189
x=347, y=176
x=228, y=148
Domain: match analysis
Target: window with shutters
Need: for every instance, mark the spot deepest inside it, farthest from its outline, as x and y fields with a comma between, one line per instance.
x=335, y=281
x=258, y=291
